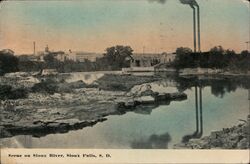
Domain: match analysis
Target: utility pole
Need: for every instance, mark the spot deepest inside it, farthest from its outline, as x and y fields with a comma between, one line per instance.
x=249, y=27
x=34, y=48
x=247, y=43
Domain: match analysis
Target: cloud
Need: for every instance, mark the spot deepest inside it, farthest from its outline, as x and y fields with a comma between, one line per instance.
x=158, y=1
x=246, y=2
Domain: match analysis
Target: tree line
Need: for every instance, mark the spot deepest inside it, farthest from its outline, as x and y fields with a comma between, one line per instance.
x=118, y=57
x=114, y=58
x=217, y=57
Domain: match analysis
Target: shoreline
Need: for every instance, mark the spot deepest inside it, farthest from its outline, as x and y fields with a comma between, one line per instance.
x=236, y=137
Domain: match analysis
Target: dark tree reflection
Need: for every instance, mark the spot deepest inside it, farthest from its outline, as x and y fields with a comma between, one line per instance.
x=153, y=142
x=219, y=85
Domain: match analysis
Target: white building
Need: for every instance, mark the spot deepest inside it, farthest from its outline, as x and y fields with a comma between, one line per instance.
x=91, y=56
x=149, y=62
x=167, y=57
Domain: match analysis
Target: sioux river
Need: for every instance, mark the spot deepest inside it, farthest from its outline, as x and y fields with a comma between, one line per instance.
x=161, y=127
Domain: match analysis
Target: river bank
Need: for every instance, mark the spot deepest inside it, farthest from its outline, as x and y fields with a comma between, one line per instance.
x=236, y=137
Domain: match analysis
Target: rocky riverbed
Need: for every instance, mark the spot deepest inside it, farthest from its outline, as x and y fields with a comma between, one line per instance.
x=73, y=105
x=236, y=137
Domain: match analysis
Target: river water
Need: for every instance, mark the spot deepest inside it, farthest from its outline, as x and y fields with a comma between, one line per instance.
x=160, y=127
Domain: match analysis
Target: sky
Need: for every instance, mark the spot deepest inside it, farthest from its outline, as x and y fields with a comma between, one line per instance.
x=94, y=25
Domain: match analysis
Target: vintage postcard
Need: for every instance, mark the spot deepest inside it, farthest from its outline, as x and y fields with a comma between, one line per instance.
x=125, y=81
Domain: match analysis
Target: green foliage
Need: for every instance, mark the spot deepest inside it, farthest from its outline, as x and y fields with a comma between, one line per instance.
x=29, y=66
x=7, y=92
x=116, y=56
x=8, y=63
x=47, y=86
x=217, y=57
x=49, y=58
x=52, y=63
x=72, y=66
x=183, y=57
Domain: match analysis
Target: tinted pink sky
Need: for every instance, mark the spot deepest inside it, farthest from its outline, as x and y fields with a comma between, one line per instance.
x=97, y=24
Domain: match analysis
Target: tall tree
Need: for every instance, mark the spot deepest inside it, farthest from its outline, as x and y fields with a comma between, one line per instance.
x=8, y=62
x=117, y=56
x=183, y=57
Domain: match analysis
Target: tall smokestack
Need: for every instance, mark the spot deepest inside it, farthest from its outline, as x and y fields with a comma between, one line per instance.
x=194, y=26
x=34, y=46
x=192, y=3
x=199, y=32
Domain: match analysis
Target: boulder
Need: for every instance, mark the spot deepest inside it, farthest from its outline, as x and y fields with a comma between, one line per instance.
x=146, y=100
x=130, y=104
x=161, y=97
x=177, y=95
x=243, y=144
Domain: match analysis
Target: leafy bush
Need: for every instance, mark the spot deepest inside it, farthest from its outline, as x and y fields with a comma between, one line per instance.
x=47, y=86
x=8, y=63
x=7, y=92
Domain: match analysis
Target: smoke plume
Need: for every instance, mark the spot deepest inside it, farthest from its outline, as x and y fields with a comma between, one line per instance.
x=192, y=3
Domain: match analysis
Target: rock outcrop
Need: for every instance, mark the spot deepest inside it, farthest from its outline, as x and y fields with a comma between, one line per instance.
x=236, y=137
x=153, y=99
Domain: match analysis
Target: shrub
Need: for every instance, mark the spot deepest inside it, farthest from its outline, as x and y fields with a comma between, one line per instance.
x=8, y=63
x=7, y=92
x=47, y=86
x=18, y=93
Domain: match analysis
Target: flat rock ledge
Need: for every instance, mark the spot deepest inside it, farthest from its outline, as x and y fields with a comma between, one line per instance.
x=39, y=128
x=155, y=99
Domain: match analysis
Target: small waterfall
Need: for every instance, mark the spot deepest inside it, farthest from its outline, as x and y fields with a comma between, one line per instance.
x=87, y=78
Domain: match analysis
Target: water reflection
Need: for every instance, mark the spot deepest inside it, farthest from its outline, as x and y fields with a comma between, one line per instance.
x=153, y=142
x=135, y=130
x=182, y=120
x=249, y=99
x=199, y=117
x=147, y=110
x=24, y=141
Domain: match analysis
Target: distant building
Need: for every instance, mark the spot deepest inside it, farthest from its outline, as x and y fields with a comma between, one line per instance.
x=62, y=56
x=28, y=57
x=144, y=60
x=167, y=57
x=83, y=56
x=71, y=55
x=149, y=62
x=59, y=55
